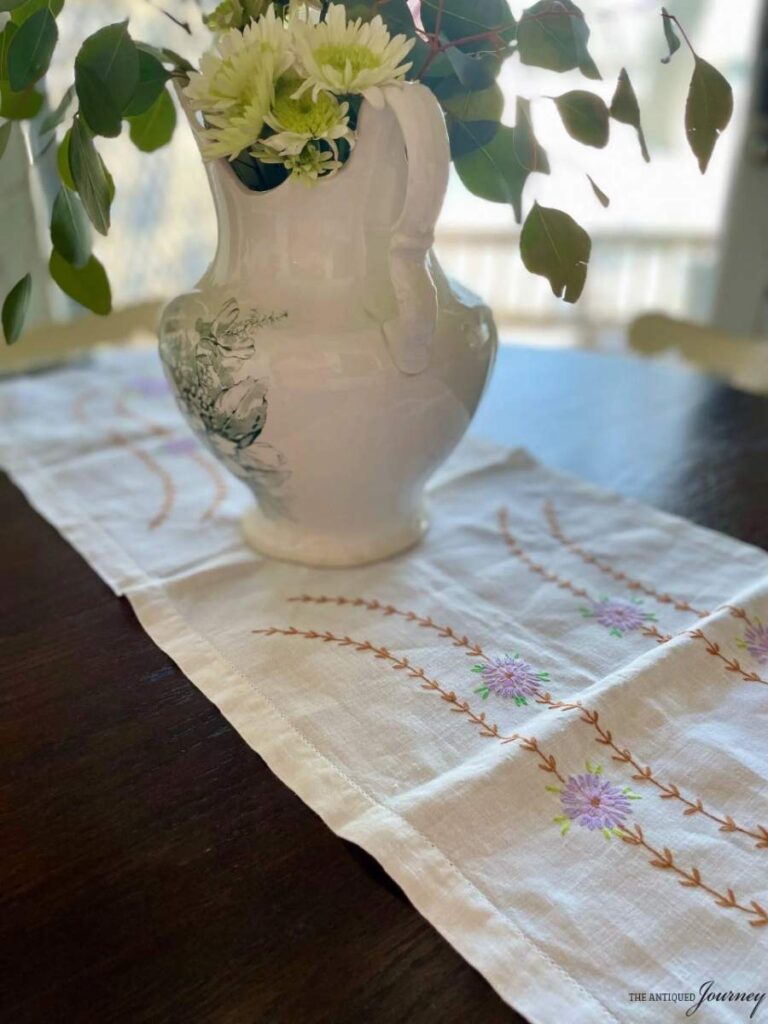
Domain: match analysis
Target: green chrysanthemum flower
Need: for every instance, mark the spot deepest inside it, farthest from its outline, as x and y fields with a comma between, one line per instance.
x=297, y=120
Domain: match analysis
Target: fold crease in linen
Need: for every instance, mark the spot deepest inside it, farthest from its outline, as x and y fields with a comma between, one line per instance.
x=546, y=722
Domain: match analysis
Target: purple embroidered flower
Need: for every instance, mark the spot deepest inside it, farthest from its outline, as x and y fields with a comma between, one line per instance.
x=150, y=387
x=619, y=617
x=756, y=642
x=510, y=678
x=594, y=803
x=181, y=446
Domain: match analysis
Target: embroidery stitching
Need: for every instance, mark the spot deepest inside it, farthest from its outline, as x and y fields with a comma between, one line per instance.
x=547, y=762
x=668, y=791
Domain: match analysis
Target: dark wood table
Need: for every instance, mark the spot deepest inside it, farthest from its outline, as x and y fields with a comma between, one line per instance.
x=152, y=867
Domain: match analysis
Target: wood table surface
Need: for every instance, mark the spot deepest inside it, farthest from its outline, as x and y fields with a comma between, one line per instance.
x=152, y=867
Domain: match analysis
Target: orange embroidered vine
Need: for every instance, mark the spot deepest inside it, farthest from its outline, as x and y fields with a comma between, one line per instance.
x=643, y=773
x=546, y=762
x=154, y=467
x=388, y=610
x=731, y=664
x=665, y=860
x=607, y=569
x=515, y=549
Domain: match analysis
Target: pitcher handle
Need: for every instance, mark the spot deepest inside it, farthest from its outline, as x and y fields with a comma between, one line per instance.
x=409, y=334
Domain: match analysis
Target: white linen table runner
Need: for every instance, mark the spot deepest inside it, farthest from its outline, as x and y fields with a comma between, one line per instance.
x=547, y=722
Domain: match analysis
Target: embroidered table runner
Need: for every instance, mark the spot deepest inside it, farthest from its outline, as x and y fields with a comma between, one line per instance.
x=547, y=722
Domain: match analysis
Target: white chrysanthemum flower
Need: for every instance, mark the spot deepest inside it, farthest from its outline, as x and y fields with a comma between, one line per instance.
x=349, y=56
x=227, y=75
x=308, y=165
x=297, y=121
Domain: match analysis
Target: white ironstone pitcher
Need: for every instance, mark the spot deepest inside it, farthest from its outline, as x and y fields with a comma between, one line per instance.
x=324, y=357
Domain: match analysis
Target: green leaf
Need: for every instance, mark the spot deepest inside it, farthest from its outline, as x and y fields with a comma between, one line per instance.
x=461, y=19
x=9, y=5
x=5, y=134
x=70, y=230
x=474, y=72
x=19, y=106
x=6, y=36
x=498, y=170
x=553, y=245
x=31, y=49
x=87, y=285
x=27, y=8
x=89, y=175
x=472, y=118
x=553, y=34
x=165, y=56
x=15, y=309
x=585, y=117
x=673, y=40
x=154, y=128
x=708, y=110
x=62, y=161
x=602, y=198
x=625, y=108
x=106, y=77
x=152, y=79
x=473, y=105
x=55, y=118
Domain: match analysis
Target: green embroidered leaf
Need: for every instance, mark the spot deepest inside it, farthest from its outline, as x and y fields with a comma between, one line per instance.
x=673, y=40
x=15, y=309
x=553, y=789
x=607, y=833
x=708, y=110
x=625, y=108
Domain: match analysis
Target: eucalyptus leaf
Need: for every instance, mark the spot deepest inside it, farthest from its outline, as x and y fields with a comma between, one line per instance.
x=473, y=72
x=602, y=198
x=89, y=175
x=106, y=77
x=486, y=25
x=19, y=106
x=154, y=128
x=25, y=10
x=165, y=56
x=498, y=170
x=152, y=79
x=708, y=110
x=554, y=246
x=585, y=117
x=15, y=309
x=55, y=118
x=625, y=108
x=31, y=49
x=6, y=36
x=62, y=161
x=5, y=134
x=70, y=230
x=673, y=40
x=87, y=285
x=553, y=34
x=474, y=105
